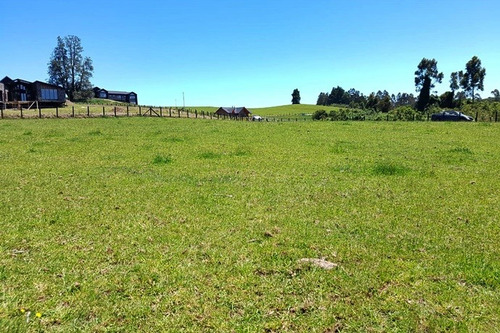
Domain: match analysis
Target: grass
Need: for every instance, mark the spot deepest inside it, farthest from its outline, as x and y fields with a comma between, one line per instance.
x=147, y=224
x=299, y=111
x=94, y=108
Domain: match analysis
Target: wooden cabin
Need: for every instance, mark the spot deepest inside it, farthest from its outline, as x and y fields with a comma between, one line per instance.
x=21, y=93
x=119, y=96
x=233, y=112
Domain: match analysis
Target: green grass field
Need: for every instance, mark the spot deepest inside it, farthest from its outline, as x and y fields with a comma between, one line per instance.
x=147, y=224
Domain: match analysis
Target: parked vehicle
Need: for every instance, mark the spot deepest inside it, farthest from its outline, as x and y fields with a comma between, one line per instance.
x=256, y=118
x=451, y=115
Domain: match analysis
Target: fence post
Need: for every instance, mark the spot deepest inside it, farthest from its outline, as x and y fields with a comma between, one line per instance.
x=21, y=112
x=114, y=111
x=73, y=111
x=1, y=111
x=170, y=112
x=477, y=114
x=496, y=116
x=57, y=112
x=88, y=111
x=127, y=112
x=39, y=112
x=187, y=113
x=161, y=112
x=140, y=113
x=104, y=111
x=178, y=113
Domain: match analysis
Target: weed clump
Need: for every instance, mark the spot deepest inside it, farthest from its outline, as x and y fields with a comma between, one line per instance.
x=389, y=169
x=462, y=150
x=160, y=159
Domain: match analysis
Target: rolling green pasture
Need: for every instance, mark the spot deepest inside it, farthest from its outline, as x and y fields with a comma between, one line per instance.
x=148, y=224
x=292, y=110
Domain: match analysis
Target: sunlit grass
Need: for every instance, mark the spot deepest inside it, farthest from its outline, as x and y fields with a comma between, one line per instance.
x=148, y=224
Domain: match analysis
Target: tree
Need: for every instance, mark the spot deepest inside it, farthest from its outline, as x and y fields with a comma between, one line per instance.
x=473, y=77
x=322, y=99
x=496, y=94
x=384, y=104
x=403, y=99
x=69, y=69
x=372, y=101
x=446, y=100
x=296, y=96
x=455, y=80
x=338, y=96
x=426, y=76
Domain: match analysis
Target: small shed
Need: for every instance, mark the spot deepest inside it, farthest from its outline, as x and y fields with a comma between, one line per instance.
x=233, y=112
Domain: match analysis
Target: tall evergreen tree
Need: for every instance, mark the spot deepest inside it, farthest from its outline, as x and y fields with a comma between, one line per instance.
x=322, y=99
x=69, y=69
x=337, y=96
x=473, y=77
x=426, y=76
x=296, y=96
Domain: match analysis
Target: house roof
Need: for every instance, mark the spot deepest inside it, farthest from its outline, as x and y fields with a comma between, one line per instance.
x=49, y=84
x=22, y=81
x=234, y=110
x=119, y=92
x=8, y=80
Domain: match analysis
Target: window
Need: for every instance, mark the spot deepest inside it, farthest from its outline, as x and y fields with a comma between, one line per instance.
x=117, y=97
x=102, y=94
x=49, y=94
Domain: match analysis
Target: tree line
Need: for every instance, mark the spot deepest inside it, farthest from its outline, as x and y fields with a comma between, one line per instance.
x=69, y=69
x=464, y=85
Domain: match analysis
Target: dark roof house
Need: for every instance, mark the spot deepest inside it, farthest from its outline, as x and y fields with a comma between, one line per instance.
x=19, y=92
x=233, y=112
x=119, y=96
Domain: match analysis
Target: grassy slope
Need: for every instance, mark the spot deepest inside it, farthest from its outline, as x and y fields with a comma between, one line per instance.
x=155, y=224
x=290, y=110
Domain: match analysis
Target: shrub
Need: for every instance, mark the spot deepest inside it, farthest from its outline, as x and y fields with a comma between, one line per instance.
x=404, y=113
x=319, y=115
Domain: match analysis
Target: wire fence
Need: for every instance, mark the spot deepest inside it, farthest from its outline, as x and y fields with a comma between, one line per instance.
x=93, y=111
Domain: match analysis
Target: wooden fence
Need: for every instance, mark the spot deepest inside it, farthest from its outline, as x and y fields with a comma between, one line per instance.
x=92, y=111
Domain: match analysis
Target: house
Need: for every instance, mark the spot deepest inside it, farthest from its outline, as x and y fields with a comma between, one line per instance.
x=119, y=96
x=20, y=93
x=233, y=112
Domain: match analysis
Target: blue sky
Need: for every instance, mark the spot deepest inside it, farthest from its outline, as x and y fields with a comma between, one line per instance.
x=253, y=53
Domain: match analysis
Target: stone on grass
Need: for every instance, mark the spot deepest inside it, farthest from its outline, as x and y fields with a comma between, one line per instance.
x=321, y=263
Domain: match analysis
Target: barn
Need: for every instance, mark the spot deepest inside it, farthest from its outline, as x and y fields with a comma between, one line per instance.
x=233, y=112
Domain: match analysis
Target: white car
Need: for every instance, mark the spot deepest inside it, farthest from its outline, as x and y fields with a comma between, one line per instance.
x=256, y=118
